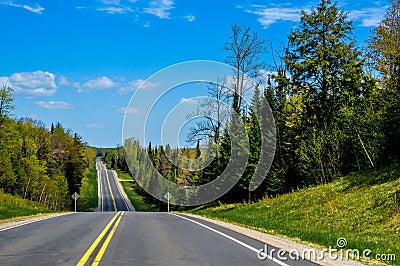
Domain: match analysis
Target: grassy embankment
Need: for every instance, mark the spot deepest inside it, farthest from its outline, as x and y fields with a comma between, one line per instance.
x=14, y=206
x=364, y=208
x=88, y=194
x=136, y=199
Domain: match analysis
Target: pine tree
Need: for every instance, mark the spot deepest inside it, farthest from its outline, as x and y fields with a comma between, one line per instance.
x=327, y=76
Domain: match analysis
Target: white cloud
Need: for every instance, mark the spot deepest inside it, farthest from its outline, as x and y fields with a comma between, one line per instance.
x=147, y=24
x=94, y=126
x=38, y=83
x=128, y=110
x=190, y=18
x=264, y=73
x=267, y=15
x=54, y=105
x=101, y=83
x=369, y=17
x=63, y=81
x=35, y=9
x=115, y=9
x=160, y=8
x=138, y=84
x=270, y=15
x=188, y=101
x=111, y=2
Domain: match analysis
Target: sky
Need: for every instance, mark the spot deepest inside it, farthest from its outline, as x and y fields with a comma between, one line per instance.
x=80, y=62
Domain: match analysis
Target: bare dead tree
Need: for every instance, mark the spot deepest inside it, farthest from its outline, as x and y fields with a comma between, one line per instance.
x=244, y=51
x=212, y=113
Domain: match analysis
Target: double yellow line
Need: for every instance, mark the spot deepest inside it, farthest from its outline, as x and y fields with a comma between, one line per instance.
x=103, y=248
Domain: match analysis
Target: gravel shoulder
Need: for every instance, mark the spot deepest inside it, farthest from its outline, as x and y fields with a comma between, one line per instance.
x=283, y=243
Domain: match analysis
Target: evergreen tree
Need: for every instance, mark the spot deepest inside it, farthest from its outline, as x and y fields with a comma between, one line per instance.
x=385, y=47
x=327, y=76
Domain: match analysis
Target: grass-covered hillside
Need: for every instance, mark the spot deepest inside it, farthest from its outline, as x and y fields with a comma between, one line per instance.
x=138, y=201
x=364, y=208
x=14, y=206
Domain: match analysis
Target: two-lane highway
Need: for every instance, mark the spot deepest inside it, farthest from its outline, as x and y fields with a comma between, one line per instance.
x=110, y=196
x=117, y=236
x=129, y=238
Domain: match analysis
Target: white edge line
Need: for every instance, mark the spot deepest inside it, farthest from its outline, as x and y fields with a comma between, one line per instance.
x=101, y=191
x=119, y=189
x=233, y=239
x=33, y=221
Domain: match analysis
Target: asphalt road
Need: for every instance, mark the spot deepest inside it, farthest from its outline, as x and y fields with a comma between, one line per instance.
x=117, y=236
x=133, y=238
x=110, y=197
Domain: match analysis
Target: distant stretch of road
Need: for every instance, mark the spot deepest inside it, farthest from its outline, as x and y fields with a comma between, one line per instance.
x=110, y=196
x=117, y=236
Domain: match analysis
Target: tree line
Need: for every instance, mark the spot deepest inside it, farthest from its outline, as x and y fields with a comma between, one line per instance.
x=38, y=164
x=335, y=105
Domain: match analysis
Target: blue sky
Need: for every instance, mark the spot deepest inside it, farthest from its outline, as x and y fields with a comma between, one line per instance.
x=79, y=62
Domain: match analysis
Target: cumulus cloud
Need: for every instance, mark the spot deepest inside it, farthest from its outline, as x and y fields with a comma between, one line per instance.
x=271, y=15
x=188, y=101
x=34, y=84
x=54, y=105
x=101, y=83
x=160, y=8
x=94, y=126
x=137, y=84
x=35, y=9
x=368, y=17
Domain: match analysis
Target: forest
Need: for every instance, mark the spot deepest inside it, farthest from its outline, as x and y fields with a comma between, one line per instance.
x=41, y=165
x=335, y=104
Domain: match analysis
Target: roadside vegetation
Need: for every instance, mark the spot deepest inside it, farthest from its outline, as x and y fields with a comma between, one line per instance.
x=335, y=103
x=131, y=189
x=362, y=207
x=89, y=191
x=40, y=164
x=14, y=206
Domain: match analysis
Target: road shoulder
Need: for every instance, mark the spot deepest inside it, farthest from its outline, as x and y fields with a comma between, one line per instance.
x=18, y=221
x=279, y=242
x=122, y=191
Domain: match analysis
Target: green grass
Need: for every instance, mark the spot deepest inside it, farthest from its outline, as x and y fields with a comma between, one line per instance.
x=364, y=208
x=13, y=206
x=136, y=199
x=89, y=197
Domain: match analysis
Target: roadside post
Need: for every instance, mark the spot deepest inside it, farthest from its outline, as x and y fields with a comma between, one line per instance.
x=75, y=197
x=168, y=197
